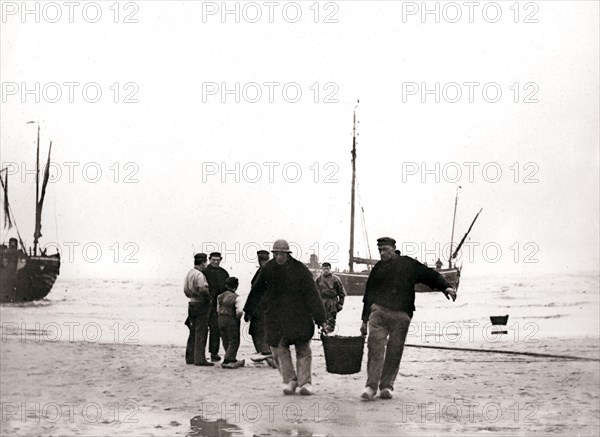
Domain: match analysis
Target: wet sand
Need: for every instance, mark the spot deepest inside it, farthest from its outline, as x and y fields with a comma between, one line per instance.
x=85, y=389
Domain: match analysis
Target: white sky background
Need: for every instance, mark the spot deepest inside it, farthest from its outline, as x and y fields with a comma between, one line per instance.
x=170, y=212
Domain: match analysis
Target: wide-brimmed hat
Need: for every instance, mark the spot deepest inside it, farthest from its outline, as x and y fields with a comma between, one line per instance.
x=281, y=246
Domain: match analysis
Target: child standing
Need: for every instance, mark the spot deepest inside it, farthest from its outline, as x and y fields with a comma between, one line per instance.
x=229, y=311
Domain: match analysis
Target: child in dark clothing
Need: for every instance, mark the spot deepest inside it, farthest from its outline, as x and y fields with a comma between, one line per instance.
x=229, y=310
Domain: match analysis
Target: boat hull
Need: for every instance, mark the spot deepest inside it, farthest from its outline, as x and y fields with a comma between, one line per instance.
x=29, y=279
x=355, y=283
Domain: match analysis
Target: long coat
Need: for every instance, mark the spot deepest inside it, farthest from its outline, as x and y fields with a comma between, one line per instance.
x=292, y=302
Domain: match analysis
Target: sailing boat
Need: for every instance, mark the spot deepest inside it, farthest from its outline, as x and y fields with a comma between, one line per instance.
x=355, y=282
x=27, y=275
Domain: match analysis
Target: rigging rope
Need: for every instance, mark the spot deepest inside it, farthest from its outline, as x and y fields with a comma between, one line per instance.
x=55, y=219
x=494, y=351
x=363, y=221
x=16, y=227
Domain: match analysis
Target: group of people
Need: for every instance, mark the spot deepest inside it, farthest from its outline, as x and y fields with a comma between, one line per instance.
x=285, y=303
x=215, y=311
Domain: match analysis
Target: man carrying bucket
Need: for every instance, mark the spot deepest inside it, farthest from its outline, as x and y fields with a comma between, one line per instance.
x=389, y=302
x=292, y=307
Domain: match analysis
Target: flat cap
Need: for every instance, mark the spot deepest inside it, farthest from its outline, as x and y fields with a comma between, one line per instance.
x=386, y=241
x=200, y=258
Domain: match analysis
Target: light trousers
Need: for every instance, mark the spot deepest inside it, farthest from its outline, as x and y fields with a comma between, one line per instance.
x=283, y=357
x=387, y=335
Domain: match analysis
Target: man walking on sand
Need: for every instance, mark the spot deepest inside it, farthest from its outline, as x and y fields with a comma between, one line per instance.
x=196, y=289
x=292, y=307
x=389, y=302
x=332, y=293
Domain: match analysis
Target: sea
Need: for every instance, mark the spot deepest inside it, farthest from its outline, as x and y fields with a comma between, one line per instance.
x=550, y=314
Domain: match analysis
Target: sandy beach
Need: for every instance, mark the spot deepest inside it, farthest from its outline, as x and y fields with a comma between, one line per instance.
x=95, y=359
x=136, y=135
x=92, y=389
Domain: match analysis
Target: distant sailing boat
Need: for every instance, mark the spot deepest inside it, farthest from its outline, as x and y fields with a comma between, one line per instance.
x=27, y=276
x=355, y=282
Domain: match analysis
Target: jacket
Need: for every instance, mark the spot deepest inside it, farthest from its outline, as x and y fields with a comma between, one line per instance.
x=216, y=282
x=391, y=284
x=292, y=302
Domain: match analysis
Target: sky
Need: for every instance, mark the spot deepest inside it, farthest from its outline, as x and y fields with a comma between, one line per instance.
x=181, y=127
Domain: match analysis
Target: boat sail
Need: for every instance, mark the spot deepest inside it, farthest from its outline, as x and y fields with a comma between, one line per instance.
x=27, y=275
x=355, y=282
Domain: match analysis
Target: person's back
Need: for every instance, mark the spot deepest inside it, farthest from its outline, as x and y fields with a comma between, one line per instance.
x=226, y=304
x=194, y=281
x=229, y=312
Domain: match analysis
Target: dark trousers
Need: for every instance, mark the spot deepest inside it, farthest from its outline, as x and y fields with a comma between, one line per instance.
x=331, y=311
x=229, y=327
x=214, y=339
x=197, y=322
x=257, y=331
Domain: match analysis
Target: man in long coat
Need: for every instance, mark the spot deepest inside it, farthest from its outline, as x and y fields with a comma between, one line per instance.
x=292, y=307
x=257, y=322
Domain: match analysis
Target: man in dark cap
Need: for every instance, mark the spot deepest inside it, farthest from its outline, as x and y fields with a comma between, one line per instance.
x=196, y=289
x=293, y=306
x=257, y=321
x=332, y=294
x=216, y=276
x=389, y=302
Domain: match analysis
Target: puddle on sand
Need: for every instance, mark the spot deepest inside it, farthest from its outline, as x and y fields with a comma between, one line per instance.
x=213, y=428
x=299, y=433
x=200, y=427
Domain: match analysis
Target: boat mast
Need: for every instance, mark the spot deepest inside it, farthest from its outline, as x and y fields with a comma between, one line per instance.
x=37, y=191
x=453, y=222
x=9, y=218
x=466, y=235
x=351, y=253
